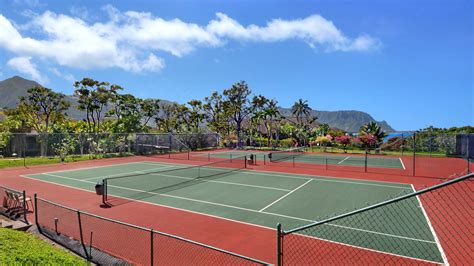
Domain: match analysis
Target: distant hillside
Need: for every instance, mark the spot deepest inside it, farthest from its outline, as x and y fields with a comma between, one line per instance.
x=351, y=121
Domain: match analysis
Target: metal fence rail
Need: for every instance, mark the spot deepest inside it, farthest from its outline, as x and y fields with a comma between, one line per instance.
x=14, y=203
x=432, y=225
x=101, y=239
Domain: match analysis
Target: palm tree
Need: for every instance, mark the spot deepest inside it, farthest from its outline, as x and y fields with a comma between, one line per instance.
x=270, y=115
x=374, y=129
x=301, y=109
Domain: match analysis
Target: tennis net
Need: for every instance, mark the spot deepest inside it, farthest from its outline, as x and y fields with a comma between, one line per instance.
x=283, y=155
x=168, y=178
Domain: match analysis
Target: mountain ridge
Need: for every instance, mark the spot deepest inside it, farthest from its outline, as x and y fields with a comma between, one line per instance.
x=348, y=120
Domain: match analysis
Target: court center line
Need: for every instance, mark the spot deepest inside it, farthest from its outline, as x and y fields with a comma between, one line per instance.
x=344, y=160
x=228, y=219
x=235, y=207
x=284, y=196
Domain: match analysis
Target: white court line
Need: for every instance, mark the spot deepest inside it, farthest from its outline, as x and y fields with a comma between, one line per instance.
x=221, y=182
x=284, y=196
x=229, y=206
x=343, y=160
x=232, y=220
x=129, y=173
x=403, y=165
x=321, y=178
x=92, y=167
x=438, y=243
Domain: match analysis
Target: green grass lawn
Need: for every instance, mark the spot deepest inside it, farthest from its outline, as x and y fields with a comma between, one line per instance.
x=21, y=248
x=29, y=161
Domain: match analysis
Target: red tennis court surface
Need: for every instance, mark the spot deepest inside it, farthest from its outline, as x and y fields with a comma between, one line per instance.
x=246, y=239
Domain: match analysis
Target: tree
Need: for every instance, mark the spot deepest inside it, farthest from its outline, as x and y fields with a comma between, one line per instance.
x=41, y=109
x=271, y=115
x=375, y=130
x=344, y=141
x=150, y=108
x=196, y=115
x=237, y=104
x=128, y=114
x=301, y=110
x=93, y=98
x=216, y=115
x=167, y=121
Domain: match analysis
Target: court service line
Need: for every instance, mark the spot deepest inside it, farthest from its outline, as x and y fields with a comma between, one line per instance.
x=129, y=173
x=403, y=165
x=343, y=160
x=221, y=182
x=284, y=196
x=435, y=236
x=229, y=219
x=236, y=207
x=93, y=167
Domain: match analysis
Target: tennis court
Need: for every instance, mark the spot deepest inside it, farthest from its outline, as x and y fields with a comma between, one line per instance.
x=317, y=159
x=261, y=198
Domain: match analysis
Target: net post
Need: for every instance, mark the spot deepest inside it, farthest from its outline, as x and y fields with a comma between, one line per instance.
x=104, y=192
x=152, y=258
x=403, y=143
x=279, y=245
x=208, y=156
x=326, y=159
x=24, y=207
x=293, y=161
x=81, y=235
x=231, y=157
x=245, y=161
x=189, y=155
x=264, y=159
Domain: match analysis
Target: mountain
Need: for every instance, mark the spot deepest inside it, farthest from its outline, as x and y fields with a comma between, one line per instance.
x=351, y=121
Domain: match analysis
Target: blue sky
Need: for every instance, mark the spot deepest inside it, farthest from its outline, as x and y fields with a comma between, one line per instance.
x=407, y=62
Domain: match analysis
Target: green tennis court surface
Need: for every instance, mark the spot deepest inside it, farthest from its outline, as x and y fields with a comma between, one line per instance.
x=266, y=198
x=342, y=160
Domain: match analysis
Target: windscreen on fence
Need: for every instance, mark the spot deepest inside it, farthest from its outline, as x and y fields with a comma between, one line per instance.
x=431, y=225
x=106, y=241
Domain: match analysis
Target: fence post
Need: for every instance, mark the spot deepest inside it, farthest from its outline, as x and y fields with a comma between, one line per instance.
x=245, y=161
x=24, y=207
x=403, y=143
x=264, y=159
x=414, y=153
x=36, y=214
x=152, y=248
x=279, y=245
x=365, y=161
x=80, y=234
x=467, y=153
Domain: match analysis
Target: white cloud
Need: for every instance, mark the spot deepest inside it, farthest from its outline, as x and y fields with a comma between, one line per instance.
x=66, y=76
x=81, y=12
x=25, y=66
x=130, y=40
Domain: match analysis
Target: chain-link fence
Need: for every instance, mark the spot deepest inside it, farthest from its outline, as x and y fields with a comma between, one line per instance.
x=70, y=146
x=107, y=241
x=15, y=203
x=429, y=226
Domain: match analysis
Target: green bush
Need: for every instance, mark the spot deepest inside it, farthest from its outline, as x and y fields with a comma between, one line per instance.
x=20, y=248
